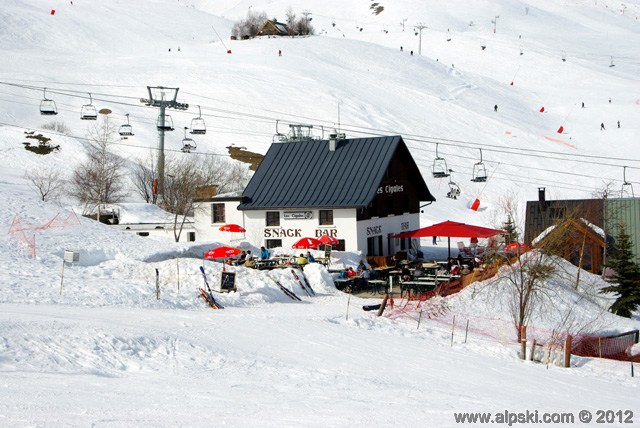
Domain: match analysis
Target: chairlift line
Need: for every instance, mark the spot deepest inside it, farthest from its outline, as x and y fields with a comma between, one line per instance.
x=439, y=168
x=126, y=130
x=627, y=187
x=47, y=107
x=88, y=111
x=188, y=145
x=479, y=171
x=167, y=125
x=198, y=126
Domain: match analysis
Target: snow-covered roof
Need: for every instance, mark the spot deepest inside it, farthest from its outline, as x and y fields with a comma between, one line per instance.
x=549, y=229
x=140, y=213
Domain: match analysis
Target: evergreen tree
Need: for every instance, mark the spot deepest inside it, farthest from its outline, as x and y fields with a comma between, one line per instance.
x=627, y=276
x=512, y=233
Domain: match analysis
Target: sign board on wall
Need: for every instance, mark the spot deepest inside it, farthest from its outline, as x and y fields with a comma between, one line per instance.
x=297, y=215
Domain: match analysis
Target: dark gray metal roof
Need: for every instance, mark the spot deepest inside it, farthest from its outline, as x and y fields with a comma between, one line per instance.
x=306, y=174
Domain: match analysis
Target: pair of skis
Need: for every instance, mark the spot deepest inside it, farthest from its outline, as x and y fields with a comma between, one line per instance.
x=208, y=295
x=303, y=283
x=286, y=291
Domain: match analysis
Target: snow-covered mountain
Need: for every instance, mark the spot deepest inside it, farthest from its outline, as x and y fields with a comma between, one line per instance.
x=97, y=347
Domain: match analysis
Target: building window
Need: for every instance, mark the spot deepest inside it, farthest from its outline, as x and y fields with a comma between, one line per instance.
x=273, y=243
x=273, y=218
x=326, y=217
x=217, y=213
x=191, y=237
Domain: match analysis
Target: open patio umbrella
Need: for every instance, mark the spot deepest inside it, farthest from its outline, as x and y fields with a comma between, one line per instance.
x=234, y=228
x=306, y=243
x=451, y=229
x=516, y=247
x=328, y=240
x=222, y=253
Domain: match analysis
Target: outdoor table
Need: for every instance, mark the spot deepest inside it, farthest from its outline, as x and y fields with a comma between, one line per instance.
x=377, y=286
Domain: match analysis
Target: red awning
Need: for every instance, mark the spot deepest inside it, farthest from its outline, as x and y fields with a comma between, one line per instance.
x=306, y=243
x=451, y=229
x=222, y=253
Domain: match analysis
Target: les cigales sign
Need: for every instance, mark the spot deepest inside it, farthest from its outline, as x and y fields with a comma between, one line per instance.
x=297, y=215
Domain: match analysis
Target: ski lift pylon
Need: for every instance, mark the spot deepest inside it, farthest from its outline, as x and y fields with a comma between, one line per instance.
x=187, y=143
x=439, y=169
x=479, y=171
x=126, y=130
x=198, y=127
x=88, y=111
x=47, y=106
x=627, y=187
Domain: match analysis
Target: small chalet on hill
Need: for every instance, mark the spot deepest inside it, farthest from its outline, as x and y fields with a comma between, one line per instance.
x=273, y=28
x=360, y=191
x=577, y=241
x=596, y=222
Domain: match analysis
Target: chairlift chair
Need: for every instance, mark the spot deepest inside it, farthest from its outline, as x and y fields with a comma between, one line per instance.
x=627, y=188
x=454, y=189
x=198, y=126
x=88, y=111
x=448, y=36
x=187, y=143
x=439, y=168
x=126, y=130
x=612, y=64
x=564, y=56
x=479, y=171
x=47, y=107
x=167, y=125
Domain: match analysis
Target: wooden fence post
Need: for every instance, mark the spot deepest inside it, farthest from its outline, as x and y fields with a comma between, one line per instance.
x=523, y=341
x=466, y=331
x=453, y=327
x=383, y=305
x=533, y=350
x=567, y=351
x=157, y=284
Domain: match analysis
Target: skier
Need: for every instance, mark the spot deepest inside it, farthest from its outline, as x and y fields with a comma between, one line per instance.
x=400, y=48
x=618, y=124
x=495, y=108
x=583, y=104
x=435, y=240
x=279, y=52
x=411, y=53
x=602, y=126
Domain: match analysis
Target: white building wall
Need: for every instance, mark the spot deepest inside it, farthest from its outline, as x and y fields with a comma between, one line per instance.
x=207, y=231
x=158, y=231
x=344, y=227
x=384, y=227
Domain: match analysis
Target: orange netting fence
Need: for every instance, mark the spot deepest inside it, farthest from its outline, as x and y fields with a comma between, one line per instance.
x=24, y=233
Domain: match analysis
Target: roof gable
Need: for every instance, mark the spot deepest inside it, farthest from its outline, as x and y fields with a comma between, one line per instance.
x=305, y=174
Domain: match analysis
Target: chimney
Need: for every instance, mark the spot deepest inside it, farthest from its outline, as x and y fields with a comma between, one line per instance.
x=333, y=141
x=541, y=198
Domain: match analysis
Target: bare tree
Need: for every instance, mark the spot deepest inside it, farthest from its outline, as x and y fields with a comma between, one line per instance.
x=291, y=21
x=101, y=178
x=143, y=176
x=48, y=182
x=186, y=175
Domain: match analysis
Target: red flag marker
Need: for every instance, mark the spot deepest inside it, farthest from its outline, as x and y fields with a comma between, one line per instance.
x=542, y=109
x=561, y=129
x=228, y=51
x=53, y=11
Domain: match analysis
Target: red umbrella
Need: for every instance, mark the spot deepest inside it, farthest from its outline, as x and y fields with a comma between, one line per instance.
x=235, y=228
x=306, y=243
x=329, y=240
x=451, y=229
x=222, y=253
x=516, y=247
